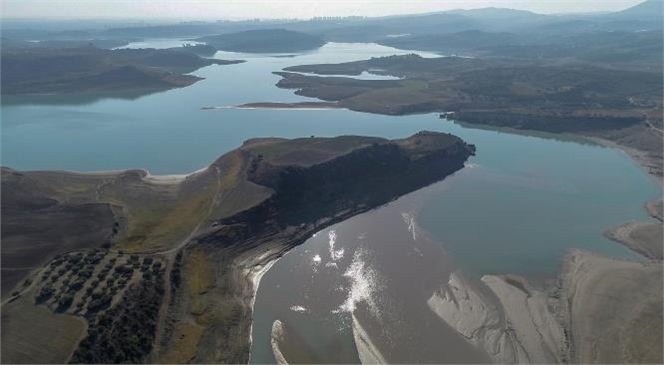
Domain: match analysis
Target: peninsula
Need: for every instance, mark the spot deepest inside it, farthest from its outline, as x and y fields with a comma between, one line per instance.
x=556, y=98
x=176, y=261
x=44, y=70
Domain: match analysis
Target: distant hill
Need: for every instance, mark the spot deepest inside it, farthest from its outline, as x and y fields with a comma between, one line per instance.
x=8, y=43
x=51, y=70
x=264, y=41
x=646, y=9
x=496, y=13
x=466, y=41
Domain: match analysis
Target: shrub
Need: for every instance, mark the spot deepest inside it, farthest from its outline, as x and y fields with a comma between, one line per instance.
x=96, y=305
x=87, y=273
x=77, y=285
x=76, y=258
x=124, y=270
x=65, y=300
x=126, y=332
x=45, y=293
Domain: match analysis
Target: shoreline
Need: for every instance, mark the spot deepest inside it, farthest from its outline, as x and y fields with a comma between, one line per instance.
x=170, y=178
x=642, y=237
x=366, y=349
x=146, y=175
x=277, y=335
x=640, y=157
x=274, y=106
x=255, y=275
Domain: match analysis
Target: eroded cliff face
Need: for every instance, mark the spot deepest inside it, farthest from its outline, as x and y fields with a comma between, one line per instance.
x=359, y=180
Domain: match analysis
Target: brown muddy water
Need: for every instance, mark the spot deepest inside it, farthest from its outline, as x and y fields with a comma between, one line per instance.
x=377, y=269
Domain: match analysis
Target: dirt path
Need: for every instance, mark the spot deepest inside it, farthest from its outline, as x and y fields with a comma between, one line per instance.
x=193, y=233
x=654, y=128
x=169, y=258
x=22, y=291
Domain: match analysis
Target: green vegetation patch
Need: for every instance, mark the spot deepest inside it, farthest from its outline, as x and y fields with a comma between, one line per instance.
x=126, y=332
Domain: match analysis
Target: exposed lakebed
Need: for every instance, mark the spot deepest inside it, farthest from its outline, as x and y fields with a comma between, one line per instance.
x=517, y=206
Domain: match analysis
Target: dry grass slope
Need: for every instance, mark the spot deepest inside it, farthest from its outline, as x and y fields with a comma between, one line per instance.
x=33, y=334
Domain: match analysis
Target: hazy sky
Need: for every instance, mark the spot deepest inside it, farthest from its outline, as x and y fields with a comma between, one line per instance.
x=221, y=9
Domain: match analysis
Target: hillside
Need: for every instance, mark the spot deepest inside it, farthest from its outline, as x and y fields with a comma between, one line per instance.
x=648, y=9
x=465, y=42
x=597, y=102
x=75, y=70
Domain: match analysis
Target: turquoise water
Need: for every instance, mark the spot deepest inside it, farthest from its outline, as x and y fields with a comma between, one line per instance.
x=523, y=201
x=531, y=195
x=167, y=132
x=517, y=207
x=159, y=43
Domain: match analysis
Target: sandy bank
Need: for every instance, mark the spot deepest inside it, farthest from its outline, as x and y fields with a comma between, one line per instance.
x=509, y=318
x=477, y=317
x=366, y=350
x=655, y=209
x=254, y=274
x=169, y=179
x=464, y=308
x=615, y=309
x=643, y=237
x=537, y=336
x=145, y=174
x=278, y=335
x=651, y=164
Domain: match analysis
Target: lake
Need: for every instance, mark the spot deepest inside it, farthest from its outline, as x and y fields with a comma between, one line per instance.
x=516, y=208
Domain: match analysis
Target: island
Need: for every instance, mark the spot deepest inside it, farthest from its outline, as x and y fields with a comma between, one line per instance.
x=264, y=41
x=45, y=70
x=129, y=267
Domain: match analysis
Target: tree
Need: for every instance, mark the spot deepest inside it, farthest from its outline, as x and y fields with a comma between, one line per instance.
x=64, y=302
